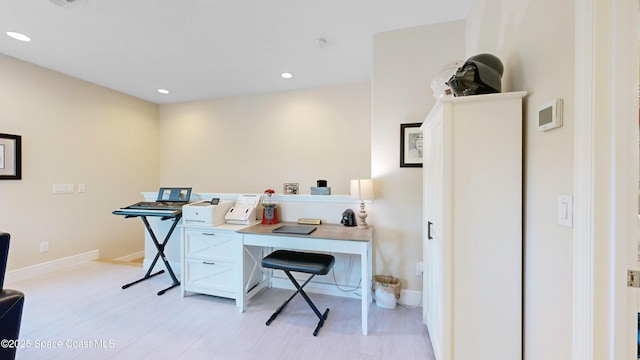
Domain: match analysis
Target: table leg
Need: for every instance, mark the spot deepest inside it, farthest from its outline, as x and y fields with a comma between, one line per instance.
x=240, y=294
x=365, y=264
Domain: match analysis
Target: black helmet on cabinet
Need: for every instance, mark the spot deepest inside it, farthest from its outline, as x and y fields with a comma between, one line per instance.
x=348, y=218
x=480, y=74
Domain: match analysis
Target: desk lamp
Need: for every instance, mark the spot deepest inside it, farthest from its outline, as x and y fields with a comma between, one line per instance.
x=362, y=190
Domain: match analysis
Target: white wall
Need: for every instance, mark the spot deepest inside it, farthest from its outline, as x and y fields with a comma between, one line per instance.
x=247, y=144
x=404, y=62
x=534, y=39
x=73, y=132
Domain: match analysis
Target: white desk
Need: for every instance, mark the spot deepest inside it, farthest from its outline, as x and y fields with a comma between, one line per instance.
x=327, y=238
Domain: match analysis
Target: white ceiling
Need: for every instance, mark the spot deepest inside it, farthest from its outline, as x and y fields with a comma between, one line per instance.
x=201, y=49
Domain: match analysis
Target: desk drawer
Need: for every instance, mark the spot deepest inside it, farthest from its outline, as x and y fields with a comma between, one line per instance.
x=210, y=244
x=209, y=275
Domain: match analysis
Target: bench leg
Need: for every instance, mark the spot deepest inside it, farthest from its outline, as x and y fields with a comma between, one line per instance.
x=321, y=322
x=298, y=287
x=299, y=290
x=304, y=294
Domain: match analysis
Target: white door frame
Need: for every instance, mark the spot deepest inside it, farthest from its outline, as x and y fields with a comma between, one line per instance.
x=605, y=177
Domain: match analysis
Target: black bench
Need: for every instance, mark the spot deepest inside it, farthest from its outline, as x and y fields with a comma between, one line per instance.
x=309, y=263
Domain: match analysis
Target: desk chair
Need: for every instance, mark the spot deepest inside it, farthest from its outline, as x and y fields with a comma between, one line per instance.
x=309, y=263
x=11, y=303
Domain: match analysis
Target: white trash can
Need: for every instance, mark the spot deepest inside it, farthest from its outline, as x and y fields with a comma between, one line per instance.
x=386, y=290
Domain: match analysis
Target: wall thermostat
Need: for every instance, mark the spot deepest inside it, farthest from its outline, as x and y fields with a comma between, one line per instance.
x=550, y=115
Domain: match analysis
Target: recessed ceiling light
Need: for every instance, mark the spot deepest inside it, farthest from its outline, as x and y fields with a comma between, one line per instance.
x=286, y=75
x=163, y=91
x=18, y=36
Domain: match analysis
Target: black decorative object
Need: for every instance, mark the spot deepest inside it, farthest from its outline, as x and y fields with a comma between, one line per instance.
x=480, y=74
x=348, y=218
x=10, y=157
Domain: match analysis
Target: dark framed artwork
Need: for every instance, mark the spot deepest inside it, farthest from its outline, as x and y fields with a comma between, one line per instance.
x=411, y=145
x=10, y=157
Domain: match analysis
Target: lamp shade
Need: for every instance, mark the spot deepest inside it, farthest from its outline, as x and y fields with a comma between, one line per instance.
x=362, y=189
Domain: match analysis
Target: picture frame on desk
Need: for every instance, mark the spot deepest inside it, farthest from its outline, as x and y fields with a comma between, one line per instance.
x=290, y=188
x=411, y=145
x=10, y=157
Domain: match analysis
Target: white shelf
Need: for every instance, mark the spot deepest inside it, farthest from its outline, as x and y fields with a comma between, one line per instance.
x=335, y=199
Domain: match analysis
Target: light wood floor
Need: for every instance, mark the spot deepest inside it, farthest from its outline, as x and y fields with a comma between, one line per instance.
x=82, y=313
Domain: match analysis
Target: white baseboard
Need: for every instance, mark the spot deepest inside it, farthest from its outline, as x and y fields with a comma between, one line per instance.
x=134, y=256
x=49, y=266
x=410, y=298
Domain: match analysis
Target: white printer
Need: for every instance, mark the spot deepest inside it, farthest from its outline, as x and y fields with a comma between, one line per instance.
x=205, y=212
x=244, y=211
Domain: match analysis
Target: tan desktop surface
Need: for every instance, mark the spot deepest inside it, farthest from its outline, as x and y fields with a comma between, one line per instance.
x=323, y=231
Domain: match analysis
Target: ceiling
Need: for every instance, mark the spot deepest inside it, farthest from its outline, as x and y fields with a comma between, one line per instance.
x=202, y=49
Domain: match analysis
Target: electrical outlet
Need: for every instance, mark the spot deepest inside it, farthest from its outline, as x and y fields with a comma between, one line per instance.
x=419, y=268
x=44, y=246
x=63, y=188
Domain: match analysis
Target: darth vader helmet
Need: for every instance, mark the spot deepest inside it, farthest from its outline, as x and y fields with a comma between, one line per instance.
x=348, y=218
x=480, y=74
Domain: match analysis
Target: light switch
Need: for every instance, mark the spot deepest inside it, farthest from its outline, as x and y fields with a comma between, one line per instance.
x=63, y=188
x=565, y=210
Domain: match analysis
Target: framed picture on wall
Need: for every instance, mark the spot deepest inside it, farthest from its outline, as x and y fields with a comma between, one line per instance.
x=411, y=145
x=10, y=157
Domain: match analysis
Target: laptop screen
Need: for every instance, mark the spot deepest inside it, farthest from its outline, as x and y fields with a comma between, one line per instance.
x=174, y=194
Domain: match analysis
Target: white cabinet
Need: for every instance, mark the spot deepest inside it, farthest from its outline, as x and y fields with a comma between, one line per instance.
x=472, y=293
x=210, y=261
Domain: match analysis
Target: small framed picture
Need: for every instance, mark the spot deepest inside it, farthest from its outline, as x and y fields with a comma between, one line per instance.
x=290, y=188
x=411, y=145
x=10, y=157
